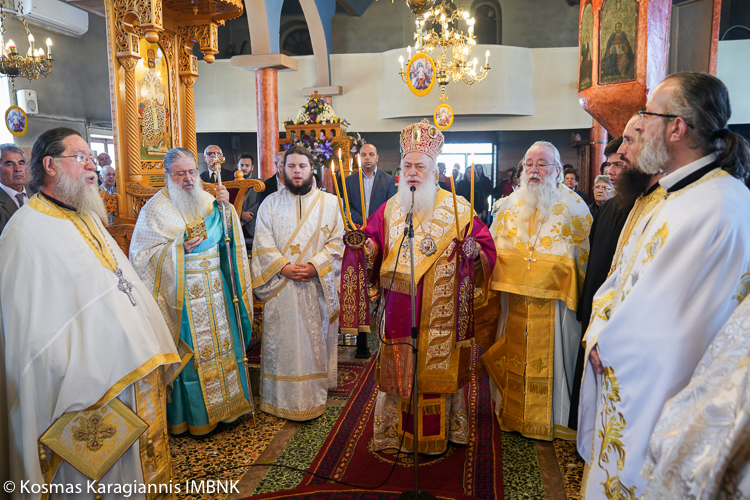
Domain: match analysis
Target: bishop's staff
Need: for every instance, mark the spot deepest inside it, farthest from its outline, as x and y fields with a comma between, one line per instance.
x=217, y=161
x=355, y=310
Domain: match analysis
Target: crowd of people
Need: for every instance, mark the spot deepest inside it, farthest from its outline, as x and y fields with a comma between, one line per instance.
x=619, y=321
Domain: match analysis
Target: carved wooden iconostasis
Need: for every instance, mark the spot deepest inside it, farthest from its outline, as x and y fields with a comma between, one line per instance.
x=152, y=73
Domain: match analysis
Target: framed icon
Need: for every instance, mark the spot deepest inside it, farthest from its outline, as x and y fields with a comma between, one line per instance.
x=16, y=121
x=443, y=117
x=421, y=74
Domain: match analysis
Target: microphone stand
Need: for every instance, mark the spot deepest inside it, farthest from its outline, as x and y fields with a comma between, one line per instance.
x=414, y=494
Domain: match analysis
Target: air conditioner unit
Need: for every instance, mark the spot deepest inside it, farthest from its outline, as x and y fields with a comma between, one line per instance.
x=56, y=16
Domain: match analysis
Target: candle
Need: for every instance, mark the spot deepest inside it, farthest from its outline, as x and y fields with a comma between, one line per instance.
x=362, y=192
x=455, y=206
x=487, y=58
x=346, y=195
x=471, y=224
x=338, y=195
x=49, y=47
x=31, y=43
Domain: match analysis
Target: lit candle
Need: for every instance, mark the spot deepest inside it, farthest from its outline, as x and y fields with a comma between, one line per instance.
x=31, y=43
x=49, y=47
x=338, y=195
x=455, y=206
x=362, y=192
x=401, y=62
x=487, y=58
x=471, y=224
x=408, y=49
x=346, y=195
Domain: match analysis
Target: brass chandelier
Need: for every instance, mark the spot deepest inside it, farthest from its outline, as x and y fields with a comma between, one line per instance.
x=454, y=61
x=12, y=63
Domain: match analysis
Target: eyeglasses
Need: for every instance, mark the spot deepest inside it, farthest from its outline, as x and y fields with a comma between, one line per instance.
x=641, y=113
x=182, y=173
x=82, y=158
x=540, y=165
x=602, y=188
x=628, y=141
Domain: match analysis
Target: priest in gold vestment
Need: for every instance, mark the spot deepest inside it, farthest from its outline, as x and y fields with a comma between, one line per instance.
x=541, y=234
x=443, y=359
x=88, y=356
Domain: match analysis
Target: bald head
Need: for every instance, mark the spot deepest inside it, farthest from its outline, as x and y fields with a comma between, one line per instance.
x=369, y=154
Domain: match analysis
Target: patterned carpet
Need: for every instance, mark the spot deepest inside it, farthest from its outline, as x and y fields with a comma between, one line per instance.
x=522, y=477
x=571, y=467
x=225, y=453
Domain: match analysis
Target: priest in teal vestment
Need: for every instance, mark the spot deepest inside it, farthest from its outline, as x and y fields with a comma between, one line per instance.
x=178, y=249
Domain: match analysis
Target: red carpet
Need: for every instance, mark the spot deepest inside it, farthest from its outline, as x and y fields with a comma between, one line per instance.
x=474, y=470
x=341, y=492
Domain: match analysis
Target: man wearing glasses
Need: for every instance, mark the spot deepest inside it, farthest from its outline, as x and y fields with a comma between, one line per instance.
x=80, y=332
x=541, y=234
x=178, y=248
x=211, y=175
x=682, y=273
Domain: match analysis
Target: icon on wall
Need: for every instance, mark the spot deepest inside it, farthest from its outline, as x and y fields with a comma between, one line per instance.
x=16, y=121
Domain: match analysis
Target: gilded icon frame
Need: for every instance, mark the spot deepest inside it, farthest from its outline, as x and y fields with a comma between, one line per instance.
x=16, y=111
x=442, y=125
x=412, y=80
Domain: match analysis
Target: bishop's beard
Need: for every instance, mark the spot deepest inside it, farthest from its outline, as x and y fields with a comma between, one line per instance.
x=195, y=204
x=631, y=183
x=536, y=196
x=74, y=191
x=424, y=197
x=654, y=155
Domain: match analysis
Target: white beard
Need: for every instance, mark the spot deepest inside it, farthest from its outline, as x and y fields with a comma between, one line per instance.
x=83, y=197
x=424, y=197
x=196, y=203
x=654, y=156
x=541, y=197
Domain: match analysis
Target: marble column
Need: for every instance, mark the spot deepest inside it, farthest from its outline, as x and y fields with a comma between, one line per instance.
x=267, y=101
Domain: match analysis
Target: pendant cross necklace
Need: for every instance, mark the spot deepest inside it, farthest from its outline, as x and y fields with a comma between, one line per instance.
x=529, y=259
x=123, y=285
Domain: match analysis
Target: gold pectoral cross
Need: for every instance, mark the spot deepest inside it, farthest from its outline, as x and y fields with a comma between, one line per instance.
x=529, y=259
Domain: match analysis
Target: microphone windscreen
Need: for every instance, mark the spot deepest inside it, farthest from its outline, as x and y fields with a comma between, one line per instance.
x=413, y=188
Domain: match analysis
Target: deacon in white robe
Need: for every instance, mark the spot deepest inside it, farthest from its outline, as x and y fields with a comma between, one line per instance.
x=81, y=332
x=296, y=266
x=541, y=234
x=683, y=272
x=179, y=251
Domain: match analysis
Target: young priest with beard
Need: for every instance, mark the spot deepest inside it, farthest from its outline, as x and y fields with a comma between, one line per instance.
x=607, y=237
x=296, y=268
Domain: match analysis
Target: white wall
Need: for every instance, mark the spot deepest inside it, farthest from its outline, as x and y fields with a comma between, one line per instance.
x=527, y=89
x=733, y=68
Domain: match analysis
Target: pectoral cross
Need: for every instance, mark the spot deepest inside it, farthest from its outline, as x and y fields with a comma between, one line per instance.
x=124, y=285
x=529, y=259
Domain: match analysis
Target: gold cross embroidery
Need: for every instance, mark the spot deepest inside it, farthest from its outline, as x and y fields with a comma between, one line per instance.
x=93, y=431
x=539, y=364
x=529, y=260
x=295, y=250
x=196, y=291
x=327, y=232
x=205, y=264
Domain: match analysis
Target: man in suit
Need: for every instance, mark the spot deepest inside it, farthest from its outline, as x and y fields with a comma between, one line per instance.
x=379, y=186
x=250, y=205
x=272, y=183
x=108, y=179
x=210, y=175
x=13, y=178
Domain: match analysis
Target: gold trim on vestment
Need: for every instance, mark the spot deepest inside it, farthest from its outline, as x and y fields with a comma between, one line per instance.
x=292, y=415
x=521, y=364
x=263, y=251
x=301, y=222
x=548, y=276
x=93, y=440
x=270, y=272
x=643, y=206
x=145, y=368
x=433, y=406
x=442, y=230
x=290, y=378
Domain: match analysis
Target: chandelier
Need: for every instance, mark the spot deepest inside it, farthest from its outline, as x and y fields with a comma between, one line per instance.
x=12, y=63
x=437, y=28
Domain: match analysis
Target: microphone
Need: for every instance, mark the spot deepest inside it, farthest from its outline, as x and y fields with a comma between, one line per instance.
x=409, y=228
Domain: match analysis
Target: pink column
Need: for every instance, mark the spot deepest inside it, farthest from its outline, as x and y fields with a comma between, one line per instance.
x=713, y=55
x=598, y=142
x=267, y=103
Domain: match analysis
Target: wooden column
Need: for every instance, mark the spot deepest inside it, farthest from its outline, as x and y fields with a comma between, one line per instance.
x=267, y=100
x=131, y=119
x=598, y=143
x=191, y=142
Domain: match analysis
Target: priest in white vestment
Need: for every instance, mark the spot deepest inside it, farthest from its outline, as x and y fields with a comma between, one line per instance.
x=83, y=337
x=541, y=234
x=683, y=272
x=296, y=266
x=179, y=250
x=700, y=447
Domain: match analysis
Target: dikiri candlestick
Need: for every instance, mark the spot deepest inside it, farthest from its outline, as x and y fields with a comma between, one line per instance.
x=338, y=195
x=471, y=224
x=455, y=207
x=346, y=195
x=362, y=192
